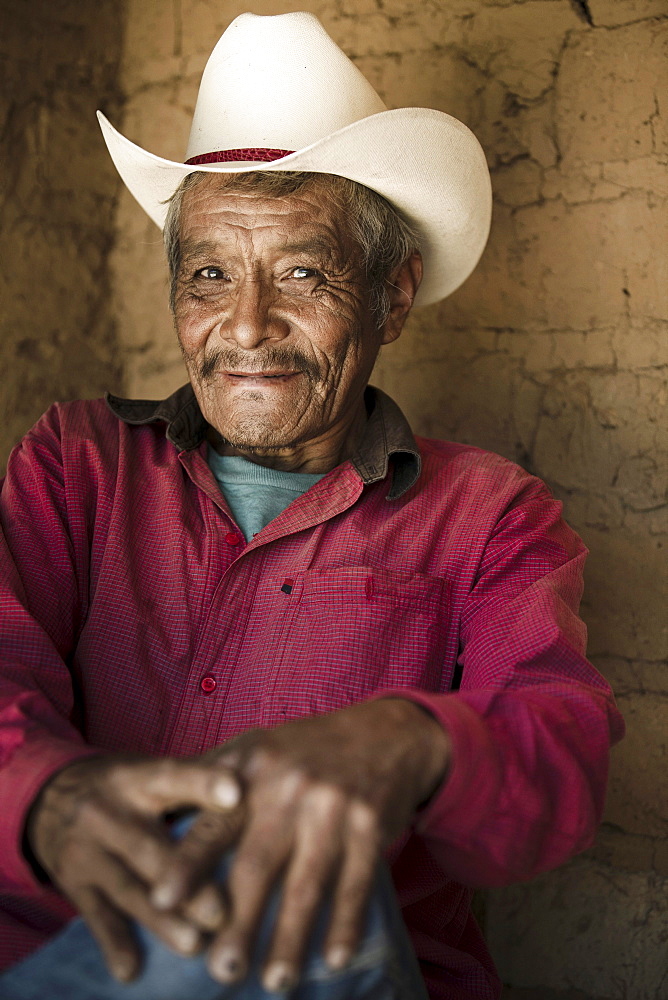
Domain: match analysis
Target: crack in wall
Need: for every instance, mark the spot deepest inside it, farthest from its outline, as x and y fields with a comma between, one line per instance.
x=178, y=28
x=581, y=8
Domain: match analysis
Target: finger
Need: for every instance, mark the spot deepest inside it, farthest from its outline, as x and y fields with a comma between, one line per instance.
x=207, y=908
x=147, y=849
x=143, y=844
x=111, y=930
x=317, y=849
x=259, y=858
x=130, y=896
x=162, y=785
x=194, y=857
x=353, y=886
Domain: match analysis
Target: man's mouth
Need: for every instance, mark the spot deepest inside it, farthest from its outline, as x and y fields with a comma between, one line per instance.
x=276, y=375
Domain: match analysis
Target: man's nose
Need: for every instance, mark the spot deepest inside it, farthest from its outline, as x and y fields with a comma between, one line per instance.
x=252, y=318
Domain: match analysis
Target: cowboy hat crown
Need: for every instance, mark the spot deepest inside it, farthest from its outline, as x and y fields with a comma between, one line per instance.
x=277, y=93
x=275, y=82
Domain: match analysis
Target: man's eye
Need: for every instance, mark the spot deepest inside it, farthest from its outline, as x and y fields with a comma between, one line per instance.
x=211, y=273
x=305, y=272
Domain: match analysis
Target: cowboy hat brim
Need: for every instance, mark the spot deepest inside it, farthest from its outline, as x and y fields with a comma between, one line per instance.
x=427, y=164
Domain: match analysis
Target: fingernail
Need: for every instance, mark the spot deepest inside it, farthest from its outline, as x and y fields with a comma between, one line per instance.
x=338, y=957
x=163, y=897
x=227, y=966
x=210, y=913
x=226, y=793
x=124, y=969
x=279, y=977
x=186, y=939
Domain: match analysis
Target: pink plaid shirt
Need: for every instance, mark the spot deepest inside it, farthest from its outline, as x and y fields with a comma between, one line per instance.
x=136, y=618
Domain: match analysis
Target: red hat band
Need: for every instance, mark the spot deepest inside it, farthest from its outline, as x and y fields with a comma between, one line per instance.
x=259, y=155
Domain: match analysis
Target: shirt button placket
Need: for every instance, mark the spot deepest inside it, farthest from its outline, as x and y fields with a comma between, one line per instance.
x=208, y=683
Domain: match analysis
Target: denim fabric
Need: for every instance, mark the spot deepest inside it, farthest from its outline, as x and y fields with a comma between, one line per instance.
x=70, y=966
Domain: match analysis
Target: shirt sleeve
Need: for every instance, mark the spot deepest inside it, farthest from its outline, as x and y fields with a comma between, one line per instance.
x=532, y=722
x=41, y=609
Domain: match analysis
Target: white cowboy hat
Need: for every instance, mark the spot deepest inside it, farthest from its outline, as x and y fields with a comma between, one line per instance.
x=278, y=94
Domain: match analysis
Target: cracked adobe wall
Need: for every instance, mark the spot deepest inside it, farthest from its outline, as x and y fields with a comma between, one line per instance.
x=551, y=354
x=57, y=340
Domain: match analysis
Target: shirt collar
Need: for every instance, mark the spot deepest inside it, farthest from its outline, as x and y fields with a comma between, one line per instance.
x=387, y=433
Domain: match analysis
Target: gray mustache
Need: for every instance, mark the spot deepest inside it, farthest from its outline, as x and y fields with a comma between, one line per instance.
x=275, y=358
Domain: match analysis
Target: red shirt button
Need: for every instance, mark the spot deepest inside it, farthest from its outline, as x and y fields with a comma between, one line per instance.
x=233, y=538
x=208, y=684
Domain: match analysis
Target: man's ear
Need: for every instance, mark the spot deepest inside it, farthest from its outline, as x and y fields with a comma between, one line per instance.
x=401, y=286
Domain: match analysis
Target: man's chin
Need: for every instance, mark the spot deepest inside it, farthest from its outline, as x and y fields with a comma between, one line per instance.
x=267, y=443
x=255, y=449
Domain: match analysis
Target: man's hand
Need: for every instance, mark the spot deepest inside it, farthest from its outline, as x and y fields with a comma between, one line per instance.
x=97, y=829
x=323, y=796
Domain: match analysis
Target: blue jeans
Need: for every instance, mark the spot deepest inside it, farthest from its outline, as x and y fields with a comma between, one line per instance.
x=70, y=966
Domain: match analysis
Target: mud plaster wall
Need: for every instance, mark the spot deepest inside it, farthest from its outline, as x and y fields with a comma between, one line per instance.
x=57, y=194
x=550, y=354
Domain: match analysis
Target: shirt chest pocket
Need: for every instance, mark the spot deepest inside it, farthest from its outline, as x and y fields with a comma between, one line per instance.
x=350, y=631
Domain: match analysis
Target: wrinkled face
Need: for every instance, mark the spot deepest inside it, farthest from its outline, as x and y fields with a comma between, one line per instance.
x=271, y=310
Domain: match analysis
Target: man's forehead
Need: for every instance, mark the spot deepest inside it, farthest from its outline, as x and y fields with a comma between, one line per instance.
x=313, y=248
x=308, y=220
x=313, y=196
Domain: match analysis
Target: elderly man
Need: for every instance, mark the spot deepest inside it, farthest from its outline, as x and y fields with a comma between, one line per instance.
x=263, y=598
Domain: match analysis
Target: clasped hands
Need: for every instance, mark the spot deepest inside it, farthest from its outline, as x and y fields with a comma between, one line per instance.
x=313, y=801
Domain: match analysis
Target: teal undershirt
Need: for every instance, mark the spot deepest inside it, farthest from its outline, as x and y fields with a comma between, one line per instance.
x=256, y=494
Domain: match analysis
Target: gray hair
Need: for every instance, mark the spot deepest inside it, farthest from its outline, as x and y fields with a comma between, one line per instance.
x=385, y=239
